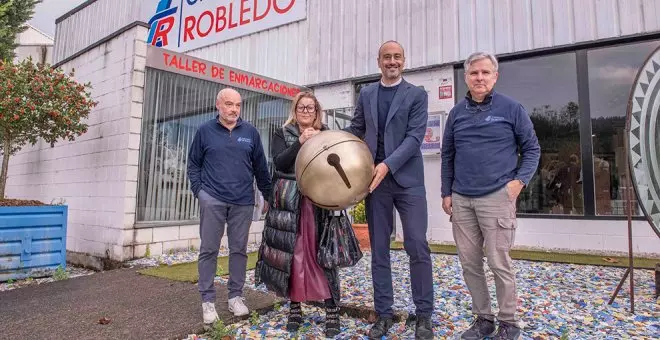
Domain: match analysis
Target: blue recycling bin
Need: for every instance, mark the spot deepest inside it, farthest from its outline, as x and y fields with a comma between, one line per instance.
x=32, y=241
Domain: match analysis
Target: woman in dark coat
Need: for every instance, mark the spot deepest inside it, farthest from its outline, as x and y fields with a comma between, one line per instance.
x=287, y=262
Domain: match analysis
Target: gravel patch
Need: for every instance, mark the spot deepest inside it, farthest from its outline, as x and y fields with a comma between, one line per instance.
x=555, y=300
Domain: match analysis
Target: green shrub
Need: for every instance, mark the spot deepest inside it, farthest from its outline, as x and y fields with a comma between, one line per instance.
x=359, y=213
x=219, y=331
x=60, y=274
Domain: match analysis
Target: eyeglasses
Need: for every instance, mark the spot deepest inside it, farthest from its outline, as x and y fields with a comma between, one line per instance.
x=477, y=108
x=308, y=108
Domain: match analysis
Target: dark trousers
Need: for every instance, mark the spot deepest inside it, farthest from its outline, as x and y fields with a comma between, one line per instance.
x=411, y=205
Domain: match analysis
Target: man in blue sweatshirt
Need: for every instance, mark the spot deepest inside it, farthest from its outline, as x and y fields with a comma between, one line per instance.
x=224, y=159
x=481, y=180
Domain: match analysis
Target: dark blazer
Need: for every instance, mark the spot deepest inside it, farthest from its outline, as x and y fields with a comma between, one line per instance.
x=405, y=128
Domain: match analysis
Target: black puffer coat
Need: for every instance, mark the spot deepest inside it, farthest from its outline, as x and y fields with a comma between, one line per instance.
x=281, y=225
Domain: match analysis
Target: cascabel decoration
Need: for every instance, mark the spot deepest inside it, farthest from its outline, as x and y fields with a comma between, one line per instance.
x=334, y=169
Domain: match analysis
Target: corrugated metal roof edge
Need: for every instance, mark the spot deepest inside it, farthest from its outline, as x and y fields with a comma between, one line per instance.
x=74, y=11
x=512, y=56
x=100, y=42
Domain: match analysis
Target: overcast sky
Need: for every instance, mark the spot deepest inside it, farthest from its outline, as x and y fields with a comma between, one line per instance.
x=46, y=12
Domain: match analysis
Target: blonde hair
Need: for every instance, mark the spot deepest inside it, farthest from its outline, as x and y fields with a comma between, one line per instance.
x=292, y=113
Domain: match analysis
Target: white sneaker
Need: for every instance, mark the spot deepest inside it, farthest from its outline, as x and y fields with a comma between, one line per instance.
x=210, y=315
x=237, y=306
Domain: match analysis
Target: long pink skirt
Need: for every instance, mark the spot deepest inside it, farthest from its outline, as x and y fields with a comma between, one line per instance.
x=308, y=281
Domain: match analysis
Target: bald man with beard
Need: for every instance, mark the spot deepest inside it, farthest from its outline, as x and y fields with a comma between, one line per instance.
x=224, y=159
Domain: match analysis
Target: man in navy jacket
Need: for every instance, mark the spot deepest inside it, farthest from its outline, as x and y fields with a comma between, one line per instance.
x=224, y=159
x=481, y=180
x=391, y=117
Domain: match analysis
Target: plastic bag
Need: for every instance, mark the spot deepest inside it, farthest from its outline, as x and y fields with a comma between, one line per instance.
x=338, y=248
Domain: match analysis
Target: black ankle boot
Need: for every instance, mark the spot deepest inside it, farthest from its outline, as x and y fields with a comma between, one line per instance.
x=295, y=317
x=332, y=323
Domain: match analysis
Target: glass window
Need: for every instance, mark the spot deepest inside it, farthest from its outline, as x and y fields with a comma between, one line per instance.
x=174, y=108
x=612, y=71
x=547, y=88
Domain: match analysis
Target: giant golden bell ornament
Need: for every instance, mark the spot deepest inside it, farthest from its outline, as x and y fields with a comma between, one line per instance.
x=334, y=169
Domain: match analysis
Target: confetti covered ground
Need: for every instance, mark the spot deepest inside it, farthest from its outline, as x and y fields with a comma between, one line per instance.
x=555, y=301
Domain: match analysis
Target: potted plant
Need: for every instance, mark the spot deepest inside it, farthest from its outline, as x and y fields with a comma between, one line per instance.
x=37, y=102
x=360, y=227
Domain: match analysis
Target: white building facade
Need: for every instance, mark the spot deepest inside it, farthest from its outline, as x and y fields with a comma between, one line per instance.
x=32, y=43
x=570, y=63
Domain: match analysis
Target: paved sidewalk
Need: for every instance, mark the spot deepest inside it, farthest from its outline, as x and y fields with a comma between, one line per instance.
x=138, y=306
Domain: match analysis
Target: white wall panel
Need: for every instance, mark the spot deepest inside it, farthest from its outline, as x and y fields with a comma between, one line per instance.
x=279, y=53
x=418, y=33
x=484, y=24
x=542, y=28
x=630, y=13
x=521, y=21
x=336, y=96
x=337, y=32
x=362, y=50
x=585, y=27
x=563, y=22
x=650, y=15
x=449, y=22
x=430, y=28
x=93, y=23
x=376, y=28
x=340, y=38
x=445, y=31
x=348, y=39
x=502, y=27
x=607, y=18
x=466, y=23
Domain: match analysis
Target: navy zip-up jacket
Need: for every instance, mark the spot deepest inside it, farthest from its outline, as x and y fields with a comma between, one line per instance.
x=480, y=146
x=224, y=163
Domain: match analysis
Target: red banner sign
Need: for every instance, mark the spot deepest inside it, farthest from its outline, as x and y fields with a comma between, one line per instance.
x=183, y=64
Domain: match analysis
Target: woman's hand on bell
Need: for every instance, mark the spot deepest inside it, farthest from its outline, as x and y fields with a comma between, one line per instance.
x=307, y=134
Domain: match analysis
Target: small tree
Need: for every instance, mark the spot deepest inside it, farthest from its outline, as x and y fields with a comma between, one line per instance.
x=38, y=102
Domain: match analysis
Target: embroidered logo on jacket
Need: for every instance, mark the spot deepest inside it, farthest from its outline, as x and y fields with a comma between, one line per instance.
x=494, y=118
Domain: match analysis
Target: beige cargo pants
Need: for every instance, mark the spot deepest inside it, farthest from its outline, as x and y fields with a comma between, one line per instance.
x=487, y=222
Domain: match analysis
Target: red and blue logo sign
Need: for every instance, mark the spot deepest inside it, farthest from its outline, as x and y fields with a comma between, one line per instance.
x=161, y=23
x=181, y=25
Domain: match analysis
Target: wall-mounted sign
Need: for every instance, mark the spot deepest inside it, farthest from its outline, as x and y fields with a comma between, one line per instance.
x=183, y=25
x=180, y=63
x=445, y=92
x=433, y=137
